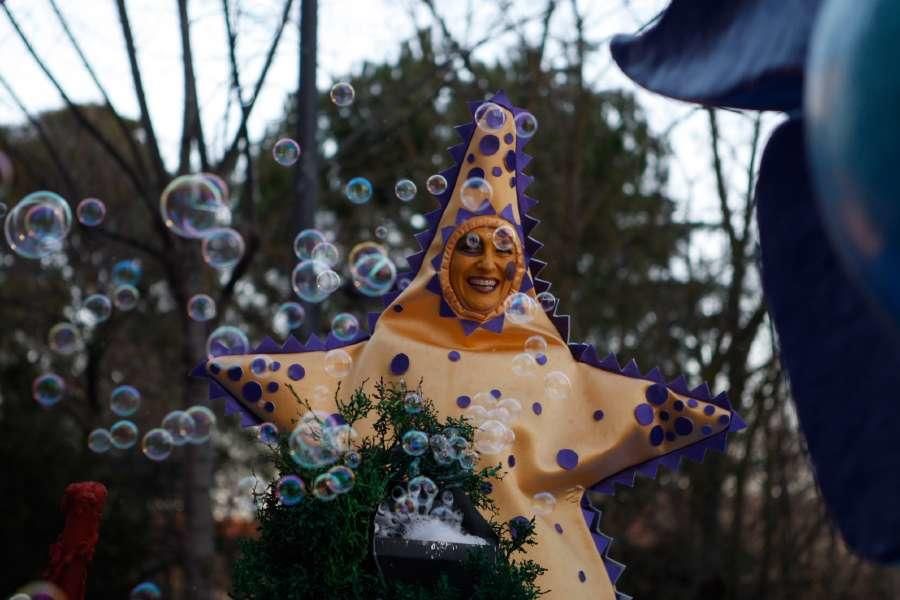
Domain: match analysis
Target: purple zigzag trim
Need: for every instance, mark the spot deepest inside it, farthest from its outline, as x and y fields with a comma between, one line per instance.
x=531, y=246
x=445, y=310
x=267, y=345
x=602, y=542
x=291, y=345
x=314, y=343
x=679, y=385
x=446, y=232
x=457, y=152
x=631, y=369
x=529, y=223
x=541, y=285
x=415, y=262
x=495, y=324
x=562, y=324
x=232, y=405
x=372, y=319
x=507, y=213
x=536, y=265
x=436, y=261
x=527, y=284
x=656, y=375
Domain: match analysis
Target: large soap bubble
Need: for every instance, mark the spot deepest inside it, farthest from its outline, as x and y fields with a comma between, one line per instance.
x=227, y=340
x=38, y=224
x=222, y=248
x=305, y=280
x=192, y=206
x=373, y=274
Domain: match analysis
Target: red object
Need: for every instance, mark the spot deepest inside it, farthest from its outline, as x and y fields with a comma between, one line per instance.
x=72, y=553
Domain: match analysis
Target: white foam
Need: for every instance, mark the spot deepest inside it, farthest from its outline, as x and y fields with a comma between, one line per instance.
x=431, y=529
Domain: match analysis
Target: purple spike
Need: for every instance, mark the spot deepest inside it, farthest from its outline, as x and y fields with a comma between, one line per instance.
x=578, y=350
x=737, y=423
x=474, y=104
x=437, y=260
x=216, y=390
x=656, y=375
x=610, y=363
x=631, y=369
x=526, y=284
x=529, y=203
x=541, y=285
x=590, y=357
x=268, y=345
x=523, y=181
x=722, y=401
x=457, y=152
x=248, y=419
x=524, y=159
x=424, y=239
x=601, y=542
x=445, y=310
x=613, y=568
x=433, y=217
x=314, y=343
x=536, y=265
x=415, y=261
x=468, y=326
x=648, y=469
x=529, y=223
x=562, y=325
x=372, y=318
x=671, y=461
x=532, y=246
x=495, y=324
x=291, y=345
x=701, y=392
x=679, y=385
x=507, y=213
x=389, y=298
x=199, y=370
x=446, y=232
x=434, y=285
x=500, y=98
x=465, y=130
x=219, y=349
x=695, y=452
x=332, y=342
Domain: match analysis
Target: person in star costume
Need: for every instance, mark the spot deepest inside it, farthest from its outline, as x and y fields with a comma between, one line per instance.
x=602, y=425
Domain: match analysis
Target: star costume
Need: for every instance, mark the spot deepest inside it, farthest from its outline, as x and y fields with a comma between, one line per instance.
x=448, y=328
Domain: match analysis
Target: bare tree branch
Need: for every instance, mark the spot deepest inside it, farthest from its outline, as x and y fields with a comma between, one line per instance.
x=192, y=125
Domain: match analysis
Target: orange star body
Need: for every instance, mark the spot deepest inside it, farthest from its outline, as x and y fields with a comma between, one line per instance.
x=448, y=328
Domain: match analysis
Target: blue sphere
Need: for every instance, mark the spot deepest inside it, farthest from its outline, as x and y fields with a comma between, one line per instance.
x=852, y=107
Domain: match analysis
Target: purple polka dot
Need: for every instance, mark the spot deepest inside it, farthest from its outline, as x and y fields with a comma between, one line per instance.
x=398, y=308
x=251, y=391
x=489, y=145
x=476, y=172
x=495, y=393
x=275, y=366
x=656, y=436
x=508, y=138
x=518, y=526
x=684, y=426
x=581, y=576
x=558, y=527
x=541, y=359
x=463, y=401
x=537, y=408
x=509, y=161
x=296, y=372
x=496, y=171
x=511, y=461
x=709, y=409
x=643, y=413
x=487, y=487
x=692, y=403
x=335, y=419
x=270, y=407
x=656, y=394
x=567, y=459
x=678, y=405
x=663, y=415
x=470, y=158
x=453, y=356
x=258, y=365
x=399, y=364
x=724, y=419
x=670, y=436
x=272, y=387
x=214, y=368
x=235, y=373
x=510, y=271
x=512, y=182
x=598, y=415
x=706, y=429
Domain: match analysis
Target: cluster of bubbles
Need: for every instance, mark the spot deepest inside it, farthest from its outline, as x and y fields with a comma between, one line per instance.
x=525, y=363
x=446, y=447
x=319, y=441
x=418, y=501
x=126, y=275
x=493, y=419
x=286, y=152
x=192, y=426
x=38, y=225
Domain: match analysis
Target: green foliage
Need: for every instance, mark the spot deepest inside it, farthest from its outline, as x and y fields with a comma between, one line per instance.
x=319, y=549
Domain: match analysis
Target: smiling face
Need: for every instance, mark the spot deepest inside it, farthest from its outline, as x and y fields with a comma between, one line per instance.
x=482, y=267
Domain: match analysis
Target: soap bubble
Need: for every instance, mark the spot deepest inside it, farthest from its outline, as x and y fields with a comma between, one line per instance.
x=192, y=206
x=358, y=190
x=364, y=249
x=306, y=241
x=268, y=433
x=405, y=190
x=48, y=389
x=490, y=117
x=543, y=503
x=126, y=297
x=476, y=414
x=323, y=488
x=422, y=491
x=344, y=326
x=64, y=339
x=319, y=440
x=180, y=426
x=227, y=340
x=146, y=590
x=526, y=125
x=436, y=185
x=286, y=152
x=485, y=399
x=352, y=459
x=341, y=479
x=342, y=94
x=201, y=308
x=320, y=393
x=95, y=309
x=288, y=317
x=519, y=308
x=220, y=186
x=222, y=248
x=127, y=272
x=412, y=403
x=415, y=442
x=125, y=400
x=289, y=490
x=39, y=590
x=468, y=459
x=328, y=281
x=99, y=441
x=536, y=345
x=38, y=224
x=381, y=232
x=204, y=424
x=512, y=406
x=546, y=300
x=305, y=280
x=557, y=385
x=3, y=208
x=327, y=253
x=124, y=434
x=157, y=444
x=90, y=212
x=524, y=365
x=504, y=238
x=474, y=192
x=338, y=363
x=492, y=437
x=373, y=275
